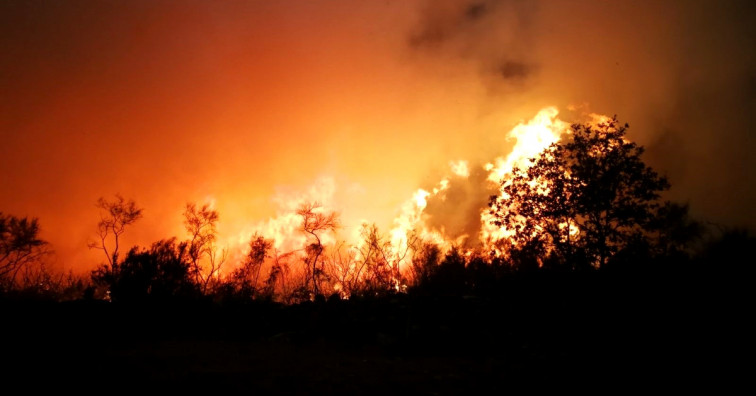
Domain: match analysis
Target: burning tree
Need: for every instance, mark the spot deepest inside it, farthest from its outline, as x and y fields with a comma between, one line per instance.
x=580, y=201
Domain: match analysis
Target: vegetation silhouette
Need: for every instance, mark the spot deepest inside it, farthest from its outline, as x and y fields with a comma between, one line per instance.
x=161, y=273
x=599, y=273
x=315, y=222
x=206, y=260
x=115, y=216
x=243, y=284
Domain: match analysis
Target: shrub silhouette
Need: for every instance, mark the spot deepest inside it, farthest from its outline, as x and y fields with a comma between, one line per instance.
x=160, y=273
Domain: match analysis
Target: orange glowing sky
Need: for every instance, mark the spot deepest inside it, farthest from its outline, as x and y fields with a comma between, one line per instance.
x=247, y=103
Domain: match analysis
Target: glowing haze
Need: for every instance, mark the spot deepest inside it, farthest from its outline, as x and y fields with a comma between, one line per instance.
x=385, y=111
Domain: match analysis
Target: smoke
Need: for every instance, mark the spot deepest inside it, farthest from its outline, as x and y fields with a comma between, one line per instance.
x=455, y=212
x=492, y=36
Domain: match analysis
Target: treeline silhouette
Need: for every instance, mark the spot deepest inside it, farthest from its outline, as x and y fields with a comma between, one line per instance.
x=170, y=270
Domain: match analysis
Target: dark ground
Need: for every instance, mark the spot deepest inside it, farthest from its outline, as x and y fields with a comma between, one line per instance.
x=598, y=335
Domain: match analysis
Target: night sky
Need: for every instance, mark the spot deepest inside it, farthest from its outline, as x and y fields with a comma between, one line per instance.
x=249, y=104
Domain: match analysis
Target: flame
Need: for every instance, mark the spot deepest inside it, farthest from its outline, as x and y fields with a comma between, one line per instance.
x=410, y=224
x=531, y=139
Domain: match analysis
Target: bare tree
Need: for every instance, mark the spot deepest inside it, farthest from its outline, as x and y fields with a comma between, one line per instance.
x=200, y=223
x=374, y=266
x=315, y=222
x=342, y=265
x=115, y=216
x=19, y=246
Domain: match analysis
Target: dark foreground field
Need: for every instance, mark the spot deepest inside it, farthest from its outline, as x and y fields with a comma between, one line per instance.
x=605, y=335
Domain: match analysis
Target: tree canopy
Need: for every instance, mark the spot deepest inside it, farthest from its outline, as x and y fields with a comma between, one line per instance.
x=582, y=200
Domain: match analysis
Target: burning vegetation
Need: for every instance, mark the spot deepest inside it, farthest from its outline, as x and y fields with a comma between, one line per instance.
x=568, y=197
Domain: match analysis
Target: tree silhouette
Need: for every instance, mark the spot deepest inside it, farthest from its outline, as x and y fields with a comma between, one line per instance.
x=381, y=260
x=344, y=269
x=370, y=267
x=19, y=245
x=246, y=278
x=582, y=200
x=314, y=223
x=278, y=277
x=117, y=215
x=200, y=223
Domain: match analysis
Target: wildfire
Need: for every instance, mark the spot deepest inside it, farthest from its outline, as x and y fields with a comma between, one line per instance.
x=411, y=222
x=530, y=138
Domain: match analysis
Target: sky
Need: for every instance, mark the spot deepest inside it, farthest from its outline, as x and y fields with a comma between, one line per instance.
x=248, y=105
